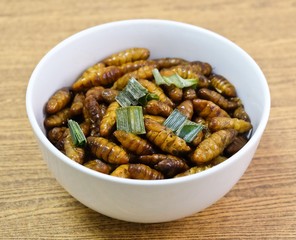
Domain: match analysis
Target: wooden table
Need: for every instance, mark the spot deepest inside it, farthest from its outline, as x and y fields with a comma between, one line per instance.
x=261, y=206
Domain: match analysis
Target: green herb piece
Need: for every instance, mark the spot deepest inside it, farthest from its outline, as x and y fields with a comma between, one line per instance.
x=175, y=120
x=130, y=119
x=149, y=96
x=189, y=130
x=174, y=79
x=76, y=133
x=132, y=92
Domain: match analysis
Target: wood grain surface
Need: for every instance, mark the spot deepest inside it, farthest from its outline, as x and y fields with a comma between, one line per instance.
x=263, y=203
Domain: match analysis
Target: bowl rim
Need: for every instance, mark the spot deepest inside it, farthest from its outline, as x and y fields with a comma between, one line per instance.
x=44, y=140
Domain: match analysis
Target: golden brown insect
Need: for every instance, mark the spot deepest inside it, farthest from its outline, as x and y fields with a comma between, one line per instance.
x=133, y=66
x=58, y=119
x=121, y=171
x=218, y=160
x=223, y=86
x=58, y=101
x=77, y=104
x=104, y=149
x=109, y=95
x=193, y=170
x=85, y=127
x=186, y=108
x=238, y=142
x=155, y=158
x=201, y=67
x=208, y=109
x=98, y=166
x=174, y=93
x=159, y=108
x=164, y=138
x=55, y=135
x=158, y=119
x=217, y=98
x=144, y=72
x=143, y=172
x=127, y=55
x=109, y=119
x=198, y=139
x=133, y=143
x=75, y=153
x=100, y=76
x=218, y=123
x=96, y=92
x=241, y=113
x=189, y=94
x=169, y=62
x=153, y=88
x=213, y=146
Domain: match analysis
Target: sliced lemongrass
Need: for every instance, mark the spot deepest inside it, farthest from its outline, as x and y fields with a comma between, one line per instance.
x=76, y=133
x=175, y=120
x=189, y=130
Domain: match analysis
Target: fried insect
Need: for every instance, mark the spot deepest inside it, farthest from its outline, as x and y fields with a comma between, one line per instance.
x=144, y=72
x=213, y=146
x=186, y=108
x=164, y=138
x=218, y=123
x=218, y=160
x=174, y=93
x=241, y=113
x=155, y=158
x=109, y=119
x=55, y=135
x=121, y=171
x=133, y=143
x=97, y=75
x=107, y=150
x=201, y=67
x=98, y=166
x=109, y=95
x=96, y=92
x=208, y=109
x=77, y=154
x=198, y=139
x=189, y=94
x=222, y=85
x=143, y=172
x=58, y=119
x=128, y=55
x=133, y=66
x=169, y=62
x=58, y=101
x=217, y=98
x=159, y=108
x=236, y=145
x=77, y=104
x=153, y=88
x=158, y=119
x=193, y=170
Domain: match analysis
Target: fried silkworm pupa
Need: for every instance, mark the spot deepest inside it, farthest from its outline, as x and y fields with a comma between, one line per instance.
x=98, y=166
x=121, y=171
x=217, y=98
x=133, y=143
x=109, y=95
x=96, y=92
x=155, y=158
x=240, y=113
x=169, y=62
x=202, y=67
x=77, y=104
x=77, y=154
x=238, y=142
x=186, y=108
x=222, y=85
x=174, y=93
x=198, y=139
x=109, y=119
x=133, y=66
x=193, y=170
x=127, y=55
x=158, y=108
x=208, y=109
x=219, y=159
x=101, y=76
x=158, y=119
x=55, y=135
x=218, y=123
x=164, y=138
x=107, y=150
x=213, y=146
x=189, y=94
x=153, y=88
x=58, y=119
x=143, y=172
x=144, y=72
x=58, y=101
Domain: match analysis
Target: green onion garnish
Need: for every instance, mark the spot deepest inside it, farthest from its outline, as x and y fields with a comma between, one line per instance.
x=130, y=119
x=76, y=133
x=174, y=79
x=175, y=120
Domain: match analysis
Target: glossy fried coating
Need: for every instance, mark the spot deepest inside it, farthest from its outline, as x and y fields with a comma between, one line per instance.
x=77, y=154
x=189, y=94
x=99, y=76
x=127, y=55
x=58, y=101
x=58, y=119
x=102, y=94
x=77, y=104
x=155, y=158
x=241, y=113
x=174, y=93
x=238, y=142
x=104, y=149
x=96, y=92
x=144, y=72
x=153, y=88
x=109, y=95
x=169, y=62
x=222, y=85
x=133, y=66
x=98, y=166
x=164, y=138
x=143, y=172
x=218, y=123
x=208, y=109
x=213, y=146
x=193, y=170
x=217, y=98
x=201, y=67
x=121, y=171
x=198, y=139
x=186, y=108
x=158, y=108
x=109, y=119
x=55, y=134
x=158, y=119
x=133, y=143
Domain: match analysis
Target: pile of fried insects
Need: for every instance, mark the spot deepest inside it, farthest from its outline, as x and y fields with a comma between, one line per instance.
x=134, y=117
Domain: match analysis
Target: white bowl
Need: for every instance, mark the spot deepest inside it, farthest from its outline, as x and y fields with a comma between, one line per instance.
x=143, y=200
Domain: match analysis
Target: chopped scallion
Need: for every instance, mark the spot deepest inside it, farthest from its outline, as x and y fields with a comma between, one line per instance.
x=175, y=120
x=76, y=133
